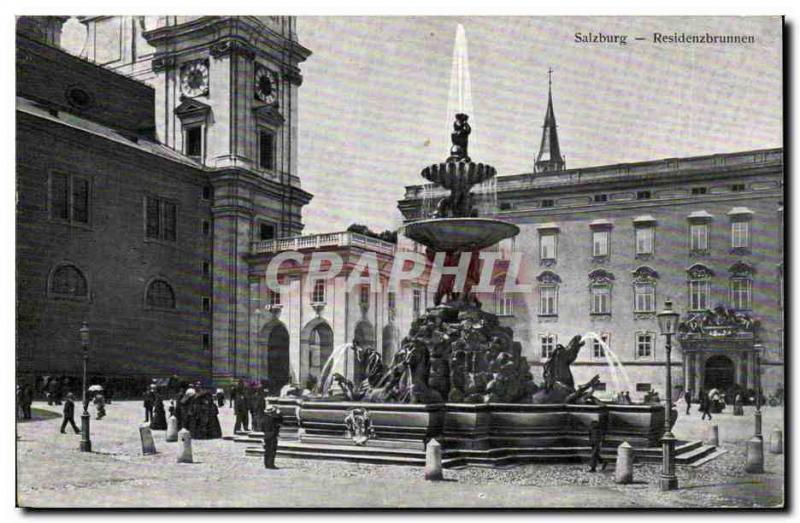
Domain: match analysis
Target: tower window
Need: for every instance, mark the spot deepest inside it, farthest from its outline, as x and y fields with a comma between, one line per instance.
x=643, y=195
x=193, y=137
x=69, y=198
x=699, y=190
x=318, y=294
x=206, y=269
x=548, y=203
x=161, y=219
x=738, y=187
x=206, y=304
x=266, y=232
x=208, y=192
x=266, y=150
x=160, y=295
x=600, y=198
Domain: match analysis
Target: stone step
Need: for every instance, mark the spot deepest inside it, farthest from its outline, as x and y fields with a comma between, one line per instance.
x=705, y=459
x=694, y=455
x=342, y=456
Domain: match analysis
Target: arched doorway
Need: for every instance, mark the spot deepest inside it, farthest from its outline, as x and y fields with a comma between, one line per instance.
x=364, y=334
x=389, y=346
x=719, y=373
x=320, y=347
x=273, y=348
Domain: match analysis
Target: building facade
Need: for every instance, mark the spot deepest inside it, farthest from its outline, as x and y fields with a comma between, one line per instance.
x=144, y=174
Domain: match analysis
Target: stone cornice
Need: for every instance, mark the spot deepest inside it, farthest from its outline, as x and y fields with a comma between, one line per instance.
x=228, y=175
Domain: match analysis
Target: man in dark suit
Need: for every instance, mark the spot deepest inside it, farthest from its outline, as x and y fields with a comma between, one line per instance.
x=596, y=441
x=687, y=397
x=271, y=421
x=69, y=414
x=149, y=402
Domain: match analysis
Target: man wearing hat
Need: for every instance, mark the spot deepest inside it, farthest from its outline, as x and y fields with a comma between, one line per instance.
x=69, y=414
x=270, y=425
x=149, y=397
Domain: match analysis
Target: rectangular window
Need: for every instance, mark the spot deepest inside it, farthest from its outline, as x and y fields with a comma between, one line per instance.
x=644, y=295
x=600, y=387
x=644, y=344
x=643, y=387
x=193, y=146
x=208, y=192
x=80, y=200
x=698, y=295
x=206, y=304
x=273, y=298
x=548, y=203
x=503, y=303
x=738, y=187
x=417, y=303
x=161, y=219
x=548, y=300
x=644, y=240
x=600, y=198
x=266, y=150
x=643, y=195
x=600, y=243
x=69, y=198
x=548, y=344
x=318, y=295
x=741, y=292
x=601, y=299
x=740, y=234
x=698, y=237
x=266, y=231
x=597, y=348
x=547, y=246
x=206, y=342
x=206, y=269
x=696, y=191
x=206, y=228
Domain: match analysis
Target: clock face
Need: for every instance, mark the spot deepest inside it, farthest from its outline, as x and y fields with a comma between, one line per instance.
x=194, y=78
x=266, y=85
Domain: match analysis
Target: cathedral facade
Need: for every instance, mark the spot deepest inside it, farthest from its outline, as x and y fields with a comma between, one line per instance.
x=146, y=169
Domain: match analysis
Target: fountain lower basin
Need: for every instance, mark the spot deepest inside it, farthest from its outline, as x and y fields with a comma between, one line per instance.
x=459, y=234
x=484, y=426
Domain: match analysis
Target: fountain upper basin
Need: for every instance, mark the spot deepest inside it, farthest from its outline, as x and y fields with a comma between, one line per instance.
x=458, y=174
x=459, y=234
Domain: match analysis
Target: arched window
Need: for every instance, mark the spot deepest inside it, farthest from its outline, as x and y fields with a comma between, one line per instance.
x=160, y=295
x=69, y=281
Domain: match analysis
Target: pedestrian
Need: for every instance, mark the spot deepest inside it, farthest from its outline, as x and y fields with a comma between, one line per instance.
x=100, y=404
x=705, y=405
x=738, y=410
x=149, y=398
x=271, y=421
x=158, y=419
x=220, y=398
x=26, y=401
x=257, y=406
x=240, y=408
x=687, y=397
x=596, y=441
x=69, y=414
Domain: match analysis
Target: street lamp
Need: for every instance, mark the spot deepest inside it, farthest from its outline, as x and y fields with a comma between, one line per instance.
x=667, y=323
x=86, y=442
x=758, y=395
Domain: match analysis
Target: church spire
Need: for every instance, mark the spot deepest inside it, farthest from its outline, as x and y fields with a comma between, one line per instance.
x=549, y=157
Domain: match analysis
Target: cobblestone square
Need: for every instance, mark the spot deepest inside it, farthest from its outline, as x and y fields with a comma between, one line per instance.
x=51, y=472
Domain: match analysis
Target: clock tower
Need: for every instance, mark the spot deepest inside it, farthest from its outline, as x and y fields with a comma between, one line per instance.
x=226, y=93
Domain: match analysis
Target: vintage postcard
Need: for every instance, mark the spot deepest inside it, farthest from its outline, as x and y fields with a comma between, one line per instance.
x=400, y=262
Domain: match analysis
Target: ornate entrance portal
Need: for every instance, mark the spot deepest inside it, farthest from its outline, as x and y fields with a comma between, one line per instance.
x=720, y=350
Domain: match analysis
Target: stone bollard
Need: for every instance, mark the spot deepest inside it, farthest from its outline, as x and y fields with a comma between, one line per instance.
x=146, y=435
x=172, y=429
x=776, y=441
x=755, y=456
x=185, y=455
x=623, y=474
x=433, y=461
x=713, y=437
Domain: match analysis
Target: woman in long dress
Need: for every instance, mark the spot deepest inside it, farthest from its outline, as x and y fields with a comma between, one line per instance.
x=159, y=419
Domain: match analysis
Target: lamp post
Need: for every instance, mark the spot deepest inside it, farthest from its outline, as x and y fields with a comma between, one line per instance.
x=667, y=323
x=758, y=395
x=86, y=442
